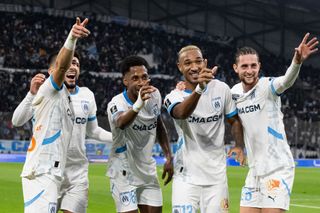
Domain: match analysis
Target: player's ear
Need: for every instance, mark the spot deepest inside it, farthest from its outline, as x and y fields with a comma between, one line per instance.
x=125, y=81
x=235, y=67
x=205, y=62
x=179, y=66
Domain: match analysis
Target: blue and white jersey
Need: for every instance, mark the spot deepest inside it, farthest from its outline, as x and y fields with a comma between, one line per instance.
x=85, y=108
x=132, y=147
x=260, y=112
x=201, y=157
x=52, y=129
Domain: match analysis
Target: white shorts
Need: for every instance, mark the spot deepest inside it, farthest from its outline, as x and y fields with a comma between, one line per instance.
x=127, y=197
x=40, y=194
x=270, y=191
x=74, y=197
x=188, y=198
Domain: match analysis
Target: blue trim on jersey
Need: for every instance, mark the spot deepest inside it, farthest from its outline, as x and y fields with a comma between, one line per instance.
x=287, y=187
x=181, y=141
x=231, y=114
x=52, y=138
x=189, y=91
x=121, y=149
x=127, y=98
x=76, y=91
x=275, y=133
x=28, y=203
x=171, y=107
x=54, y=84
x=92, y=118
x=273, y=89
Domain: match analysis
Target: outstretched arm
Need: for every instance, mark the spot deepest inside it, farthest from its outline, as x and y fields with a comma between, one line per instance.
x=95, y=132
x=302, y=52
x=162, y=136
x=65, y=55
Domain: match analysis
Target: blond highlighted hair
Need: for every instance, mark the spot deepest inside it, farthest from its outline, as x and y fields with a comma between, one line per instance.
x=187, y=48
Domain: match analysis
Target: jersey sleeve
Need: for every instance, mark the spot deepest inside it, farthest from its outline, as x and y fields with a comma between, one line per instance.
x=171, y=100
x=115, y=107
x=230, y=109
x=93, y=108
x=46, y=91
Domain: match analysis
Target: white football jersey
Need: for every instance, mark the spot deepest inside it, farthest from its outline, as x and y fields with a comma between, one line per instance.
x=132, y=146
x=52, y=129
x=85, y=108
x=201, y=157
x=260, y=112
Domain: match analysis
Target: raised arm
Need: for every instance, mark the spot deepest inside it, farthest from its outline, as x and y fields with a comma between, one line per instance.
x=162, y=136
x=302, y=52
x=65, y=55
x=23, y=113
x=124, y=119
x=184, y=109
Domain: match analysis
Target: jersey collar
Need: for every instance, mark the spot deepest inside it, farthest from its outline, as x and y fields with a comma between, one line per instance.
x=126, y=97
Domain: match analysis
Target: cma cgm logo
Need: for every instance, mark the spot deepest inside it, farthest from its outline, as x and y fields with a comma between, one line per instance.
x=248, y=109
x=80, y=120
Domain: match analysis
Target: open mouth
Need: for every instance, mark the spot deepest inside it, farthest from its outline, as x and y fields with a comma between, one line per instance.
x=71, y=76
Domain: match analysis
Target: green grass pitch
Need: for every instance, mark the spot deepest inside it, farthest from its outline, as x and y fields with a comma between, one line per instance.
x=305, y=196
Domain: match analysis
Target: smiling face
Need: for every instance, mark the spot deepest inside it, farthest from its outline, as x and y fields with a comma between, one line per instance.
x=135, y=79
x=190, y=64
x=247, y=67
x=72, y=74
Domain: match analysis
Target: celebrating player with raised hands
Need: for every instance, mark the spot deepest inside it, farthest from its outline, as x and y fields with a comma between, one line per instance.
x=271, y=166
x=200, y=180
x=53, y=116
x=136, y=123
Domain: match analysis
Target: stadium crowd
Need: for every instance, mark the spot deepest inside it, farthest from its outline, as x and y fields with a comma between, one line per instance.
x=28, y=39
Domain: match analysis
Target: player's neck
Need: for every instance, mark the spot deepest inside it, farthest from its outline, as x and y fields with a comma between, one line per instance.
x=248, y=87
x=190, y=86
x=132, y=97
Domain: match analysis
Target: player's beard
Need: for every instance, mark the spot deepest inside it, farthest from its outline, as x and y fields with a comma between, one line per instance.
x=70, y=86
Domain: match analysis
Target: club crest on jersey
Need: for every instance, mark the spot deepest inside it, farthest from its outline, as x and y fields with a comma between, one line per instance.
x=155, y=110
x=216, y=104
x=52, y=208
x=85, y=107
x=253, y=94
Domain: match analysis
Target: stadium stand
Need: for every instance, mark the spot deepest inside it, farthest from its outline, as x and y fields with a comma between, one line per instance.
x=28, y=39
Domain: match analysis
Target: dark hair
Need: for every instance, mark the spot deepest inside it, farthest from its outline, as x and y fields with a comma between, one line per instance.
x=132, y=61
x=245, y=51
x=53, y=56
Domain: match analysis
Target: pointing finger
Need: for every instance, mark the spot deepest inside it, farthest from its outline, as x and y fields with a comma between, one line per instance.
x=305, y=38
x=85, y=22
x=78, y=21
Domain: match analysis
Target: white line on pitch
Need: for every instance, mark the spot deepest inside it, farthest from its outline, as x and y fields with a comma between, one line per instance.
x=305, y=206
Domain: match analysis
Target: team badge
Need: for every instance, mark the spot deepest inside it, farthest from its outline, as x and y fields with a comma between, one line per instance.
x=235, y=96
x=52, y=208
x=167, y=103
x=155, y=110
x=85, y=107
x=127, y=197
x=216, y=104
x=253, y=94
x=113, y=109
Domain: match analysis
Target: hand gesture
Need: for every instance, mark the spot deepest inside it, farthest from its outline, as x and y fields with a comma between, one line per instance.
x=167, y=171
x=36, y=82
x=206, y=75
x=239, y=155
x=181, y=85
x=305, y=49
x=79, y=29
x=146, y=90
